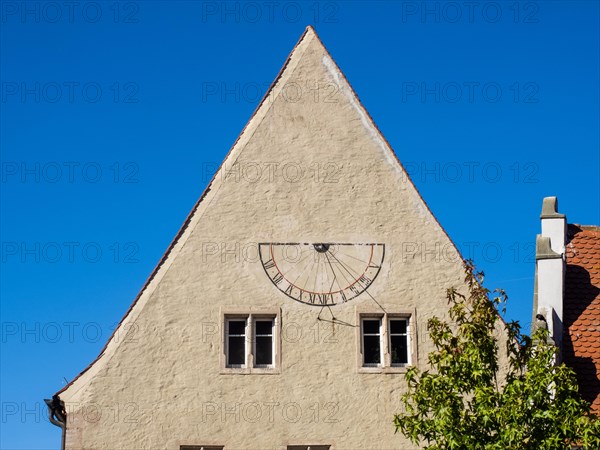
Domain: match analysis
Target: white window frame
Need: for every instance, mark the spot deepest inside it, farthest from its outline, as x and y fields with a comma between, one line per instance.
x=254, y=340
x=408, y=343
x=385, y=341
x=228, y=320
x=379, y=334
x=251, y=317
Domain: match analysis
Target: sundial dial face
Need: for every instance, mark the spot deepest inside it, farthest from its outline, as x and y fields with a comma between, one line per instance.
x=323, y=273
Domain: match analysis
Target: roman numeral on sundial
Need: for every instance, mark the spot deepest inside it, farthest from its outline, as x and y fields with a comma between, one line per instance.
x=321, y=299
x=288, y=290
x=364, y=280
x=278, y=278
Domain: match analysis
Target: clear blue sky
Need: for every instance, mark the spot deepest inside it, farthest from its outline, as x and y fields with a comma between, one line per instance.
x=112, y=117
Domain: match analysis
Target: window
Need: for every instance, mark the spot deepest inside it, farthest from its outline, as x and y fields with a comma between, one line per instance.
x=371, y=331
x=308, y=447
x=399, y=342
x=236, y=342
x=385, y=342
x=263, y=342
x=250, y=342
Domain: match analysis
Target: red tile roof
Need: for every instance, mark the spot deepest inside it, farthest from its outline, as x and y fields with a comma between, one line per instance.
x=581, y=341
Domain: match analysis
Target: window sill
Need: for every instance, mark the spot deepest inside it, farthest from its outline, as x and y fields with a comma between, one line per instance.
x=250, y=371
x=394, y=369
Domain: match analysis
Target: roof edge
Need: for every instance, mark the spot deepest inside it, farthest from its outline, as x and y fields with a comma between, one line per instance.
x=309, y=30
x=391, y=149
x=389, y=146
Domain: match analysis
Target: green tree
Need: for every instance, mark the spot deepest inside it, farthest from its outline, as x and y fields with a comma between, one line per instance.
x=467, y=402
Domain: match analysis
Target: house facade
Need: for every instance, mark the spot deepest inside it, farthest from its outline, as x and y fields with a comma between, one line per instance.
x=567, y=294
x=288, y=307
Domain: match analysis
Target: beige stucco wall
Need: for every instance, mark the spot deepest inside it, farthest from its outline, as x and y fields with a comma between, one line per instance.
x=162, y=386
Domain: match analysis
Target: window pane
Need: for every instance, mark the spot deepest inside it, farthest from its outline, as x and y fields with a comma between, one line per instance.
x=264, y=350
x=237, y=350
x=237, y=327
x=371, y=326
x=399, y=349
x=371, y=349
x=264, y=327
x=398, y=326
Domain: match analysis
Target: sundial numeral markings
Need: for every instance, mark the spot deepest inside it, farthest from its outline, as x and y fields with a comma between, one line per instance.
x=354, y=290
x=288, y=290
x=278, y=278
x=336, y=274
x=364, y=280
x=321, y=299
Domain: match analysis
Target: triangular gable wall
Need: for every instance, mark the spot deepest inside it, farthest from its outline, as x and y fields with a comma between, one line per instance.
x=369, y=199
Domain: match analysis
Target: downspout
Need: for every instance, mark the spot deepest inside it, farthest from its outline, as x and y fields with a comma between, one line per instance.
x=57, y=416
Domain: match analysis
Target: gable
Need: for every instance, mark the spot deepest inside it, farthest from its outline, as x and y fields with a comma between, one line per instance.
x=309, y=167
x=309, y=160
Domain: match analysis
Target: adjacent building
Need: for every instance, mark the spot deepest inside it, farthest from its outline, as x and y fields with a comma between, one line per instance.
x=567, y=294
